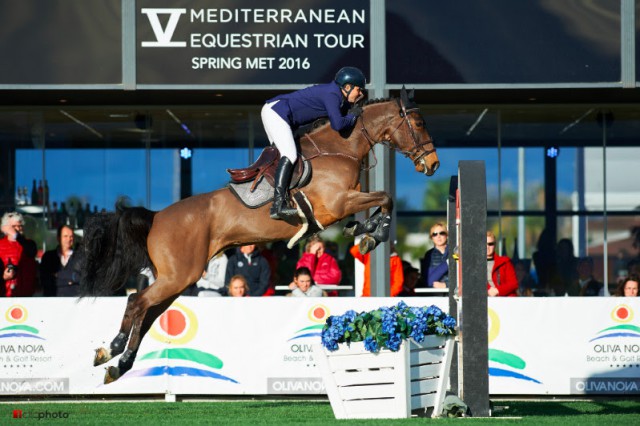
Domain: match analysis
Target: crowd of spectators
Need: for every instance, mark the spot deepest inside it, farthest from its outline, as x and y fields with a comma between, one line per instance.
x=255, y=271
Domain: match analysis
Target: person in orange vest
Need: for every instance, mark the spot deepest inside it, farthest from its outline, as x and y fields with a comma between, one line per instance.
x=395, y=270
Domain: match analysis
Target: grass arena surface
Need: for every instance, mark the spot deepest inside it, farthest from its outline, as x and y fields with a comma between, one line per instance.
x=297, y=412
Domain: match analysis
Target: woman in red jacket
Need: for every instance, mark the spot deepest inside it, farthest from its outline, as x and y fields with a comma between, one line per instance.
x=324, y=267
x=501, y=275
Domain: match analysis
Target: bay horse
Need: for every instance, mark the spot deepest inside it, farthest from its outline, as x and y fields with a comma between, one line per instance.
x=178, y=241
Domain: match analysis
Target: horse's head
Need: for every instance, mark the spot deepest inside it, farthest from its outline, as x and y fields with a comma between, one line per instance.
x=405, y=131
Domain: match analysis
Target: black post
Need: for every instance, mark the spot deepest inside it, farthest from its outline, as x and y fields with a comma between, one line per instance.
x=472, y=286
x=452, y=229
x=185, y=175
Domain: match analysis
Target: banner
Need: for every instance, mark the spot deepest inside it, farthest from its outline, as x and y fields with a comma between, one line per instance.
x=199, y=346
x=564, y=346
x=244, y=42
x=263, y=346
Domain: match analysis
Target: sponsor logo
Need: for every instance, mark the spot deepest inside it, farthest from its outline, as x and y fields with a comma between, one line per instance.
x=300, y=349
x=163, y=35
x=502, y=363
x=298, y=385
x=622, y=314
x=20, y=344
x=17, y=315
x=178, y=325
x=34, y=386
x=318, y=315
x=605, y=385
x=616, y=346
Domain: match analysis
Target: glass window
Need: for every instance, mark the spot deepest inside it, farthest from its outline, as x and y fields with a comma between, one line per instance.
x=511, y=42
x=61, y=42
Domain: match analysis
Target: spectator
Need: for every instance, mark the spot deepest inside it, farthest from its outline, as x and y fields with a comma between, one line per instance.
x=248, y=262
x=395, y=266
x=526, y=282
x=566, y=271
x=303, y=285
x=501, y=275
x=411, y=277
x=17, y=258
x=628, y=287
x=544, y=260
x=272, y=261
x=53, y=261
x=238, y=286
x=587, y=285
x=211, y=284
x=324, y=267
x=434, y=266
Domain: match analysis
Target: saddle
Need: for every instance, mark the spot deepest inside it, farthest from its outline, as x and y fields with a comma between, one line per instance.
x=265, y=166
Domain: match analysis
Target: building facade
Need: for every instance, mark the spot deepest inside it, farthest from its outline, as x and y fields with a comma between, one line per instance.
x=154, y=99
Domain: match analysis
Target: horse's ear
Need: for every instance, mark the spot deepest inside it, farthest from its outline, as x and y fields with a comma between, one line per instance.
x=403, y=96
x=411, y=94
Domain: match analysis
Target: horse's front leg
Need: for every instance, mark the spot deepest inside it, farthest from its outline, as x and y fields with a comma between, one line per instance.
x=378, y=226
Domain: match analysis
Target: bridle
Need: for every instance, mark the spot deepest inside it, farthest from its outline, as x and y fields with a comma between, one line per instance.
x=417, y=144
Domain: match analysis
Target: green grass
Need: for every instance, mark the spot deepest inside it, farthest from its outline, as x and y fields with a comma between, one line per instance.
x=288, y=412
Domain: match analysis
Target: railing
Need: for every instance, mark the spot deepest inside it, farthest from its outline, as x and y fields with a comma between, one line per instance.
x=438, y=291
x=324, y=287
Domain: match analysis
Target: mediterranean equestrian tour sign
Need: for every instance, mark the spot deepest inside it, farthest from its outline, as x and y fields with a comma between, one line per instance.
x=241, y=44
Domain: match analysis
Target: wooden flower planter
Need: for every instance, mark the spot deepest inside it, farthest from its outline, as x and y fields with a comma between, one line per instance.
x=386, y=385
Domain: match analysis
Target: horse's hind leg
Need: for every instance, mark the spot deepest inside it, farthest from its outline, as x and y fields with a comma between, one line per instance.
x=118, y=344
x=143, y=320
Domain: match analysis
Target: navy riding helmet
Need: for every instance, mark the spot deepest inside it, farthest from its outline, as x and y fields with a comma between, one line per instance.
x=350, y=75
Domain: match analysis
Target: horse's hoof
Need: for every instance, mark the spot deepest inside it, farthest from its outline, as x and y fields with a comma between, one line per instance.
x=367, y=244
x=102, y=355
x=111, y=375
x=350, y=229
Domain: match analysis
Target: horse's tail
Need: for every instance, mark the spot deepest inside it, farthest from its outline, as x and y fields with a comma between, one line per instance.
x=114, y=247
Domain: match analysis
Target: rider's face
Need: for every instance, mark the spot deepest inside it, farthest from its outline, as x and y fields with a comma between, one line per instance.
x=355, y=95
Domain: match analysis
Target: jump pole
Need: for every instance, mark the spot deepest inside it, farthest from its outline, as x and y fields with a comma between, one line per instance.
x=467, y=226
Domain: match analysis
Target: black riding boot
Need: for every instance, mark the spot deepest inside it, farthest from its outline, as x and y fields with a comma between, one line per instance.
x=280, y=209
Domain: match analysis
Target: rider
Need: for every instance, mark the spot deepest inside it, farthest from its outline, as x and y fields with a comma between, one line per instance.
x=285, y=113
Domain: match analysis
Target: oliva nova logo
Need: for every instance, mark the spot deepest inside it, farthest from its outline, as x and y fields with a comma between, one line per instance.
x=17, y=315
x=178, y=325
x=622, y=314
x=501, y=363
x=317, y=314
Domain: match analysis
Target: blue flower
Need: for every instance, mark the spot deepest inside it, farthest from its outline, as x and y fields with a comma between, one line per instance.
x=371, y=345
x=386, y=327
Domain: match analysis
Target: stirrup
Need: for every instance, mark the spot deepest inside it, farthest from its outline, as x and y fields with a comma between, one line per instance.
x=283, y=213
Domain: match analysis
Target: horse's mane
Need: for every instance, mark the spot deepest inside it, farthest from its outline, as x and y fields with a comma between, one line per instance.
x=321, y=122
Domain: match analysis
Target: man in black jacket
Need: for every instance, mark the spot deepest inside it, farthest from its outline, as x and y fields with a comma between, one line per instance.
x=248, y=262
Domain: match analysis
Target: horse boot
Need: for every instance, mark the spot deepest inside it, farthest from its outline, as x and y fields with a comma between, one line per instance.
x=280, y=210
x=381, y=233
x=355, y=228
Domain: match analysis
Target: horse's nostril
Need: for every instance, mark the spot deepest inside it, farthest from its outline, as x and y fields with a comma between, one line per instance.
x=436, y=165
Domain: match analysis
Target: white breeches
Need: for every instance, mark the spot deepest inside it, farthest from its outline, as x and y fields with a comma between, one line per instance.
x=279, y=132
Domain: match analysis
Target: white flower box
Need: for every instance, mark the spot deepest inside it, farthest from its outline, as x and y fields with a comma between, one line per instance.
x=386, y=385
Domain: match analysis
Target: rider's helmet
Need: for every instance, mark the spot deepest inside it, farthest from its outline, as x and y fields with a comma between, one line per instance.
x=350, y=75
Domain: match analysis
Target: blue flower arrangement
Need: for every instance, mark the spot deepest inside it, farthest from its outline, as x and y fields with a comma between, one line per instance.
x=386, y=327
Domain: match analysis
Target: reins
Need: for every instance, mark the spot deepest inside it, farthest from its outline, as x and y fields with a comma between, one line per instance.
x=404, y=113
